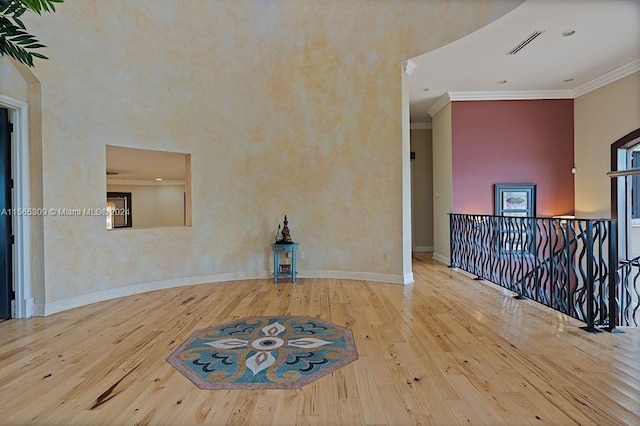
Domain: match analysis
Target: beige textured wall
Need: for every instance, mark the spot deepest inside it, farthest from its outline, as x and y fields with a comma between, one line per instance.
x=601, y=118
x=12, y=83
x=422, y=189
x=154, y=205
x=287, y=107
x=442, y=183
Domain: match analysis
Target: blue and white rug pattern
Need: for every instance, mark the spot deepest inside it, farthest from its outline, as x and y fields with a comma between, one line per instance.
x=264, y=353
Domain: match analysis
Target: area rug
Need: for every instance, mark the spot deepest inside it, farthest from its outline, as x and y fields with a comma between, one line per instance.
x=264, y=353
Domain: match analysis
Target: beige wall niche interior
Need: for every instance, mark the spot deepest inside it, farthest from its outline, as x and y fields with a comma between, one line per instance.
x=158, y=184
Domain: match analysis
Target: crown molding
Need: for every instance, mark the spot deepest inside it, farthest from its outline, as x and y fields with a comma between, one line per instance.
x=607, y=78
x=505, y=95
x=409, y=66
x=420, y=126
x=510, y=95
x=440, y=103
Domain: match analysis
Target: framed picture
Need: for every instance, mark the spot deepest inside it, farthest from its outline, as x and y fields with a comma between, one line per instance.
x=121, y=205
x=516, y=200
x=515, y=214
x=515, y=236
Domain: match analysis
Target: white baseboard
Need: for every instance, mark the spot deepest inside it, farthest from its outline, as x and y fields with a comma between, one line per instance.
x=349, y=275
x=113, y=293
x=38, y=310
x=408, y=278
x=442, y=259
x=423, y=249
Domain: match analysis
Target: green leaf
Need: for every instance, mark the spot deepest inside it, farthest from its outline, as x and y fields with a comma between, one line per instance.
x=15, y=41
x=19, y=22
x=39, y=6
x=12, y=7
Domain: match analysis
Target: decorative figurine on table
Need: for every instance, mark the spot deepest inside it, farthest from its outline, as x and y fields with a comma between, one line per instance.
x=278, y=236
x=286, y=236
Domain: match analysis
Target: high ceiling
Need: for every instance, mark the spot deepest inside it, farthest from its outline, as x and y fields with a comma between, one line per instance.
x=144, y=164
x=606, y=37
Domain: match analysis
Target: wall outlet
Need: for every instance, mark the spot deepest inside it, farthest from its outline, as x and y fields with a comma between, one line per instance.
x=385, y=257
x=133, y=264
x=301, y=255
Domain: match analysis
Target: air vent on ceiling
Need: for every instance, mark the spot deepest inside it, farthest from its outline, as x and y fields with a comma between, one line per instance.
x=525, y=42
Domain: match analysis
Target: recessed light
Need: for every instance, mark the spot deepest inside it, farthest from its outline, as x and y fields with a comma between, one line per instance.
x=502, y=81
x=566, y=80
x=158, y=179
x=567, y=33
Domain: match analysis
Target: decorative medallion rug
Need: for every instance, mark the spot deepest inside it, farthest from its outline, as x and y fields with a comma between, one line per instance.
x=264, y=353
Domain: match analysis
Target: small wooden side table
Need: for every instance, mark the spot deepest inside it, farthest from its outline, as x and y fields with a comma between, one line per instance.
x=284, y=248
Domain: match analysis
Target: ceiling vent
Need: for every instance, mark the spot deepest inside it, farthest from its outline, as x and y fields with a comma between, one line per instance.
x=525, y=42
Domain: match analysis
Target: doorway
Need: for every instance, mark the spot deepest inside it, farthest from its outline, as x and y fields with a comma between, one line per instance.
x=6, y=234
x=633, y=204
x=16, y=277
x=625, y=194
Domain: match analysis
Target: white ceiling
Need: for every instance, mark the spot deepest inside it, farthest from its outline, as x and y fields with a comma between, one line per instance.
x=607, y=36
x=144, y=164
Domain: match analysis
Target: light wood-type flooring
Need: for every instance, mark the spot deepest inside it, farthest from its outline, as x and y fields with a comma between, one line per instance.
x=445, y=350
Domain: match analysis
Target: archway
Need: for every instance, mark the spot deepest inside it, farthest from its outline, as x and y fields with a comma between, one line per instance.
x=625, y=193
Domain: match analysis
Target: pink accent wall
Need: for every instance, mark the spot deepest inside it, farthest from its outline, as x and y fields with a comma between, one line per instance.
x=529, y=141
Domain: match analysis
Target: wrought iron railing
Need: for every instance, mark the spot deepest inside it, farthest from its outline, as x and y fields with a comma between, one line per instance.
x=628, y=297
x=566, y=264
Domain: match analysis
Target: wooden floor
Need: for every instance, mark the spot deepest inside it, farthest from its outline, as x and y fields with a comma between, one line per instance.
x=445, y=350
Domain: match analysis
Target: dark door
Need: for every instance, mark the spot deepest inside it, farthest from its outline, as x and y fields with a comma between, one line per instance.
x=6, y=274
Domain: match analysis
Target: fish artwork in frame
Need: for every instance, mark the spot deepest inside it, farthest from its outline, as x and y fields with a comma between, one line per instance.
x=516, y=200
x=517, y=204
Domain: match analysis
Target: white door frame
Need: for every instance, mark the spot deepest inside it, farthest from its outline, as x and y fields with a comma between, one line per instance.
x=22, y=305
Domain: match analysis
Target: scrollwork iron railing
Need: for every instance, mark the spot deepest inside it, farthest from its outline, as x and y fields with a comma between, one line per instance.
x=569, y=265
x=628, y=297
